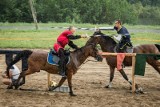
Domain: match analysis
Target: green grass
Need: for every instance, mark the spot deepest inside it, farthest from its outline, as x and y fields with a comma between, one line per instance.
x=146, y=38
x=31, y=39
x=88, y=25
x=46, y=38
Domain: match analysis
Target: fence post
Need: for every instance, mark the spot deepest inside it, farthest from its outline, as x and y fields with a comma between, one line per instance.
x=49, y=79
x=133, y=70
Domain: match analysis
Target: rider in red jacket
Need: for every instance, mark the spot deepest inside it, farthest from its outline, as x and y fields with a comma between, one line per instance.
x=63, y=39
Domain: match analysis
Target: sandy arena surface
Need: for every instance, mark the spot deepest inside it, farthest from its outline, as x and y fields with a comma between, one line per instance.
x=88, y=84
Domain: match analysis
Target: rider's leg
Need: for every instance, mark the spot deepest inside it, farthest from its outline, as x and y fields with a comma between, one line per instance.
x=62, y=62
x=120, y=47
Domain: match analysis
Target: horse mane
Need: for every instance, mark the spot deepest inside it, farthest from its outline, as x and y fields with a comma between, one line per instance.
x=81, y=48
x=108, y=38
x=158, y=46
x=105, y=37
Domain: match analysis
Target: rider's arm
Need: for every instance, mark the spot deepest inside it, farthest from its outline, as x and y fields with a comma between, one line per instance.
x=72, y=37
x=72, y=45
x=124, y=33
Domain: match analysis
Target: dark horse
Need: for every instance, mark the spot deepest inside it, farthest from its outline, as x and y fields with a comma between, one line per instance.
x=37, y=60
x=107, y=45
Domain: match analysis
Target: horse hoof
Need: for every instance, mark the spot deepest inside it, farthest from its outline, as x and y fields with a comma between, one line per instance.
x=108, y=86
x=71, y=94
x=50, y=89
x=10, y=87
x=16, y=87
x=130, y=88
x=136, y=86
x=139, y=90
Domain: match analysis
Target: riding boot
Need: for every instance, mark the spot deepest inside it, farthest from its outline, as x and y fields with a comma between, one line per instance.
x=62, y=63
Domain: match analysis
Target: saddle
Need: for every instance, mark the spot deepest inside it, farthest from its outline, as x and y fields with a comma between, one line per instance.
x=54, y=59
x=128, y=48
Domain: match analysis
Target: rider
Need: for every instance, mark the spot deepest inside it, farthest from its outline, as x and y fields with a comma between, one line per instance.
x=63, y=39
x=125, y=40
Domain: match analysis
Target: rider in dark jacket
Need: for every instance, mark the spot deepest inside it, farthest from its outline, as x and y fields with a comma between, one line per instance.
x=125, y=40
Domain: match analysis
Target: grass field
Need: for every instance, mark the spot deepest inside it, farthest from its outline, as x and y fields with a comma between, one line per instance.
x=24, y=35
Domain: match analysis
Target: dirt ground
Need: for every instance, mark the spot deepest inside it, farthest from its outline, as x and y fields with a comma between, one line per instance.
x=88, y=84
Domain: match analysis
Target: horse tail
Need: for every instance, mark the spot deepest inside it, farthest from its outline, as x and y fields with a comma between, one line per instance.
x=19, y=56
x=158, y=46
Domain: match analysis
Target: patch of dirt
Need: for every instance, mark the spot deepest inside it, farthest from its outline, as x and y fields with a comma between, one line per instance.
x=88, y=84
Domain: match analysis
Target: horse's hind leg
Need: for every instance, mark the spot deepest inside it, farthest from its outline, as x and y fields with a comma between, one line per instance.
x=124, y=75
x=16, y=84
x=155, y=64
x=22, y=75
x=23, y=81
x=126, y=78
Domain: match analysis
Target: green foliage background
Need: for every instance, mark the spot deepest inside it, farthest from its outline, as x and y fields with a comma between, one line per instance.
x=82, y=11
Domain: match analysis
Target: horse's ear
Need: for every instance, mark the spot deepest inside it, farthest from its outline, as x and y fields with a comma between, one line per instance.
x=97, y=33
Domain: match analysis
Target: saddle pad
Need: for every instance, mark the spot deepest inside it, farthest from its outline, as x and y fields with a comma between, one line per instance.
x=128, y=50
x=54, y=59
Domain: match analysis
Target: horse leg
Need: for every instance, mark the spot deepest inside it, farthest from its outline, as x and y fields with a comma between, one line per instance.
x=124, y=75
x=69, y=78
x=59, y=84
x=126, y=78
x=23, y=81
x=16, y=84
x=155, y=64
x=22, y=75
x=10, y=86
x=112, y=69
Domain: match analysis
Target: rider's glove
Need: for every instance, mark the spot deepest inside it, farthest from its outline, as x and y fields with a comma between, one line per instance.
x=84, y=36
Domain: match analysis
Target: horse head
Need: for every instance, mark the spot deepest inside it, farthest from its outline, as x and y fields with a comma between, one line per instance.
x=95, y=38
x=93, y=51
x=106, y=42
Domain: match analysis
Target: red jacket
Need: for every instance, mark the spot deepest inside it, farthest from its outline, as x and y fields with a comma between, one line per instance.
x=63, y=39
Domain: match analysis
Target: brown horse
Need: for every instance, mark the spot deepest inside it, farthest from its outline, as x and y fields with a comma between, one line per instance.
x=37, y=60
x=107, y=45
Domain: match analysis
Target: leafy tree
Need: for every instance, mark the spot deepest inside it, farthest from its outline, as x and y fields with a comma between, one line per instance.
x=15, y=11
x=150, y=15
x=117, y=9
x=82, y=11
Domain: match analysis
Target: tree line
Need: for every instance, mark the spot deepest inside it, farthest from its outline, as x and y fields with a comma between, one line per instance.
x=82, y=11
